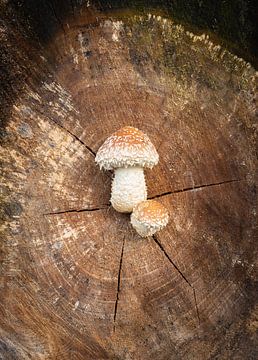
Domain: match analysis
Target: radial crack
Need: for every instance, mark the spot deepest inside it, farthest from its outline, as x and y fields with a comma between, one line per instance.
x=196, y=306
x=118, y=284
x=168, y=257
x=75, y=137
x=108, y=173
x=180, y=272
x=78, y=139
x=77, y=210
x=192, y=188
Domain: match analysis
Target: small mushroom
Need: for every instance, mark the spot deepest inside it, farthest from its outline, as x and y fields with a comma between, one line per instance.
x=127, y=152
x=148, y=217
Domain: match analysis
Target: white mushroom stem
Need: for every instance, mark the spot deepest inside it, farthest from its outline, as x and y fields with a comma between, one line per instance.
x=128, y=188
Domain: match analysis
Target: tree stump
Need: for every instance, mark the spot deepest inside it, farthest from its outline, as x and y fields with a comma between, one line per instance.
x=77, y=282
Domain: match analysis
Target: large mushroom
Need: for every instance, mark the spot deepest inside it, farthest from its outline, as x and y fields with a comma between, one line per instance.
x=127, y=152
x=148, y=217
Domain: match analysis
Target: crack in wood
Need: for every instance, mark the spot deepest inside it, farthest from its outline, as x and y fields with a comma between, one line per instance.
x=181, y=274
x=74, y=136
x=169, y=259
x=196, y=306
x=78, y=139
x=108, y=173
x=77, y=210
x=193, y=188
x=118, y=284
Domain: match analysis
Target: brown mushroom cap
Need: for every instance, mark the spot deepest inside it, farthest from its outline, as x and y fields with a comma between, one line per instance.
x=148, y=217
x=127, y=147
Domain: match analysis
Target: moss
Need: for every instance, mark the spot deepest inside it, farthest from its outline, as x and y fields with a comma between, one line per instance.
x=232, y=20
x=178, y=55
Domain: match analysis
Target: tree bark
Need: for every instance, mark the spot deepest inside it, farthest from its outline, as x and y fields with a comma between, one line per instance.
x=77, y=282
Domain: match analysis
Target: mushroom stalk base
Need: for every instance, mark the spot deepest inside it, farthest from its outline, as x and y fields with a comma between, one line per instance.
x=128, y=189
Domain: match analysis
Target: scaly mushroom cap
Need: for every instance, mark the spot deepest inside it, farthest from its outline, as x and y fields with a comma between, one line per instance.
x=127, y=147
x=148, y=217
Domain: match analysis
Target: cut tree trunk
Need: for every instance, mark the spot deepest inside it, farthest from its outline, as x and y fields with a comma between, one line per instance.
x=77, y=282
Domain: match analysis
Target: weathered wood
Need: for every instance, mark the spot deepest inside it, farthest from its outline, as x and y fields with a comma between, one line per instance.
x=76, y=280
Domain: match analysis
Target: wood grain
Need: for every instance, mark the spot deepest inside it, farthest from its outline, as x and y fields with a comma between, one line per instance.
x=76, y=281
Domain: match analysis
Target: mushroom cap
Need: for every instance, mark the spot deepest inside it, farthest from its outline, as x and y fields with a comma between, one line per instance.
x=148, y=217
x=127, y=147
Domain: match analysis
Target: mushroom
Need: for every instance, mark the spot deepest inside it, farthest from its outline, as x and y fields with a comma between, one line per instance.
x=148, y=217
x=127, y=152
